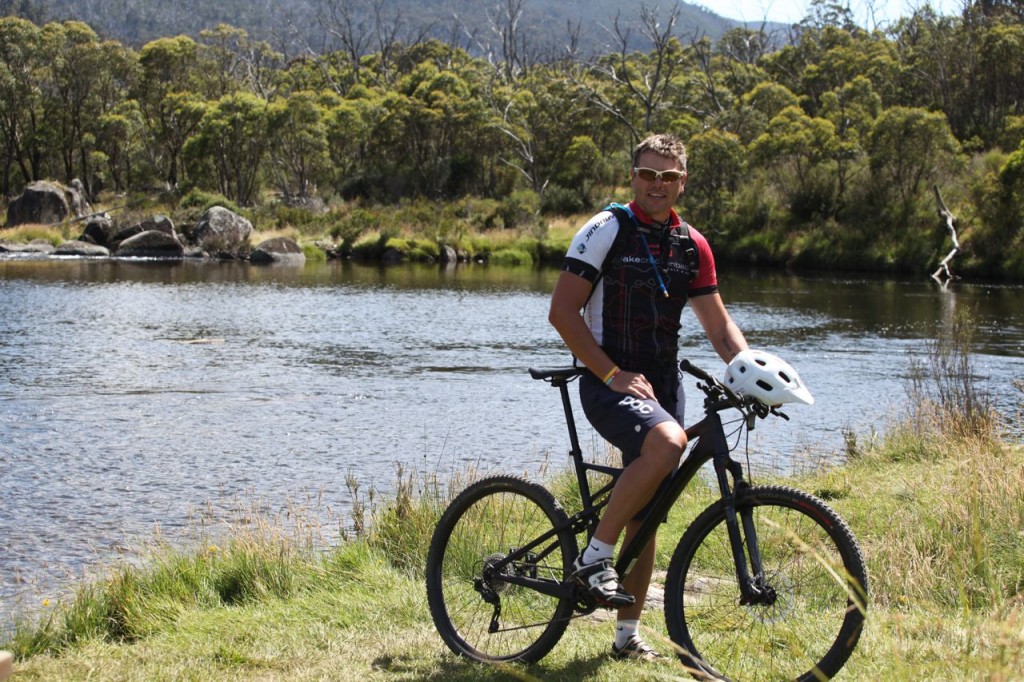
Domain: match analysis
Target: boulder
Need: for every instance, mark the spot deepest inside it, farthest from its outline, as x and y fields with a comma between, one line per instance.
x=278, y=250
x=77, y=247
x=222, y=233
x=157, y=223
x=34, y=246
x=123, y=234
x=46, y=203
x=151, y=244
x=99, y=229
x=447, y=255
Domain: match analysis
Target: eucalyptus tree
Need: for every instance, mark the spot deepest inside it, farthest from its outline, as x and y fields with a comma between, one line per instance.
x=353, y=125
x=119, y=141
x=239, y=62
x=853, y=109
x=21, y=67
x=717, y=162
x=909, y=148
x=538, y=117
x=89, y=78
x=444, y=119
x=171, y=101
x=298, y=151
x=799, y=150
x=230, y=144
x=1001, y=74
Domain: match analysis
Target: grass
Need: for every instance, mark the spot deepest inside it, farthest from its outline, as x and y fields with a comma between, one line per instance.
x=936, y=502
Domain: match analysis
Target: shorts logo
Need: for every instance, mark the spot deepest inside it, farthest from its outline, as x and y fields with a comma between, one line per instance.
x=636, y=405
x=581, y=248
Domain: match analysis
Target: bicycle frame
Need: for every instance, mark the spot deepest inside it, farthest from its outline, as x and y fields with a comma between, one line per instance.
x=708, y=444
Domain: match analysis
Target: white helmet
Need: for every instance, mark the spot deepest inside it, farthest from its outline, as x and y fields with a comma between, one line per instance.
x=767, y=378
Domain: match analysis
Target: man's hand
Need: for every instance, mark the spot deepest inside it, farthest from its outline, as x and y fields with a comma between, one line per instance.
x=633, y=384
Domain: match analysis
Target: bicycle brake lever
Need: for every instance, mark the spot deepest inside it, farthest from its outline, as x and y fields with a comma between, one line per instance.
x=777, y=413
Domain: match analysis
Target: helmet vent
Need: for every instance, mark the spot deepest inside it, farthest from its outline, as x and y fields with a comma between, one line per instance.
x=764, y=385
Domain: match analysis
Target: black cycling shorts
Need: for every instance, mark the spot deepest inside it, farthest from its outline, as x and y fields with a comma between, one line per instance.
x=625, y=420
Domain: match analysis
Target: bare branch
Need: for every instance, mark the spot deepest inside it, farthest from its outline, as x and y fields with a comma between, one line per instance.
x=950, y=221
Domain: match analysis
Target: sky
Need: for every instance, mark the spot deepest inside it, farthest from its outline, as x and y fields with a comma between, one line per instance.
x=868, y=13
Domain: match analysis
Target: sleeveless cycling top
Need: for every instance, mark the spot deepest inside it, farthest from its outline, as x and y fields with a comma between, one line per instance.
x=628, y=313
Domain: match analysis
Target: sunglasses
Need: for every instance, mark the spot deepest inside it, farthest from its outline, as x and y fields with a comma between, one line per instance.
x=650, y=175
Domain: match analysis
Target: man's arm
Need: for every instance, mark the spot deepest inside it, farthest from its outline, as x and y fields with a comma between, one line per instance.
x=570, y=294
x=722, y=332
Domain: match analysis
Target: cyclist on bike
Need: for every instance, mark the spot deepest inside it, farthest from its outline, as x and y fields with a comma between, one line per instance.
x=621, y=319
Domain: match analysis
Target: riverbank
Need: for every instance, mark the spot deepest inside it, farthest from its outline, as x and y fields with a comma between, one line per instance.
x=478, y=230
x=938, y=516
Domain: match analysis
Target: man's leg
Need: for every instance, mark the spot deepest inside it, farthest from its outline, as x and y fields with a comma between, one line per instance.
x=639, y=579
x=659, y=456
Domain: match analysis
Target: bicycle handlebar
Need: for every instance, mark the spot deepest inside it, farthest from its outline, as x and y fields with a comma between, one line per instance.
x=713, y=384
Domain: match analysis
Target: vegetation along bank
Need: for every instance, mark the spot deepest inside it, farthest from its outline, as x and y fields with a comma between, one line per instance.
x=820, y=146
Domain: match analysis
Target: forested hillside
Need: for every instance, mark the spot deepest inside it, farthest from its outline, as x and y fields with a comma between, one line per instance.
x=292, y=26
x=825, y=152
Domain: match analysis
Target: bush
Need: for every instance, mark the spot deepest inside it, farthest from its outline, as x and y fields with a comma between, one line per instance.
x=520, y=208
x=510, y=256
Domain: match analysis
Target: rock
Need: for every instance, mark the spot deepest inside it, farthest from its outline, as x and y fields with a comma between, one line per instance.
x=222, y=233
x=123, y=234
x=34, y=246
x=77, y=247
x=151, y=244
x=448, y=255
x=46, y=203
x=278, y=250
x=99, y=229
x=157, y=223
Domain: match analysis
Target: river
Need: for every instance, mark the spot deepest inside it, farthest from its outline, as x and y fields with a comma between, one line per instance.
x=142, y=398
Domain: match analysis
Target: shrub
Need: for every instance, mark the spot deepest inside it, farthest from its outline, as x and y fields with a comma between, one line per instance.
x=511, y=256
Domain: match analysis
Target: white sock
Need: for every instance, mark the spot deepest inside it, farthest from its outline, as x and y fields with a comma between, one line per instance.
x=624, y=629
x=597, y=551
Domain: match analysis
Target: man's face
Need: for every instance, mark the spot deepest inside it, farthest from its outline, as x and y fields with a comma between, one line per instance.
x=656, y=196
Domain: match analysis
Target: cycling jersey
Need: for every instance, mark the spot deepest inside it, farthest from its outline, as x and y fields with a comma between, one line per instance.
x=629, y=313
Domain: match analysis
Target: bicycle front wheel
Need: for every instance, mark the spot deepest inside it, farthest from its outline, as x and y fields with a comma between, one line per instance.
x=477, y=612
x=813, y=592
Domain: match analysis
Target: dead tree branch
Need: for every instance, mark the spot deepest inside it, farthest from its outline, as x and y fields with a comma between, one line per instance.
x=950, y=220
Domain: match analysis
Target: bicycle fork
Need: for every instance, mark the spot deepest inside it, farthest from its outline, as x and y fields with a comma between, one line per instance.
x=753, y=584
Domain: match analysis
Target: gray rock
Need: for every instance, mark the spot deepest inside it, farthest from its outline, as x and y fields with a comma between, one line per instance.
x=278, y=250
x=159, y=223
x=448, y=255
x=34, y=246
x=223, y=233
x=151, y=244
x=99, y=229
x=46, y=203
x=77, y=247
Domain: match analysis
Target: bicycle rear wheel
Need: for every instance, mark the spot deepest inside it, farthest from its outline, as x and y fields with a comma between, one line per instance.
x=809, y=621
x=477, y=613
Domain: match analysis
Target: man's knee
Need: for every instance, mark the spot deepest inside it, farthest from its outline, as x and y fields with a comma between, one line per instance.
x=663, y=445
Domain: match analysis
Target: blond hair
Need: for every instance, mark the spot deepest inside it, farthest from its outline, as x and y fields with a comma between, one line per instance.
x=662, y=144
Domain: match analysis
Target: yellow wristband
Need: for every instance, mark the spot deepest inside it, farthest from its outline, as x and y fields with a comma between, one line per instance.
x=610, y=376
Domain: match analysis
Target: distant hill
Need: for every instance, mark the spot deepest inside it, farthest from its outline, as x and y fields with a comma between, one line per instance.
x=292, y=25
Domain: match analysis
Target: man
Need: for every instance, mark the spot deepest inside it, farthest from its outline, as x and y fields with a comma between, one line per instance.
x=627, y=336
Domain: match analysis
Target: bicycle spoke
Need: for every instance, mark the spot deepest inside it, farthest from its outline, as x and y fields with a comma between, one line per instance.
x=801, y=621
x=484, y=615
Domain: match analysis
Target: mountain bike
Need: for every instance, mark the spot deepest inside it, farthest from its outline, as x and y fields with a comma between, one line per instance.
x=766, y=583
